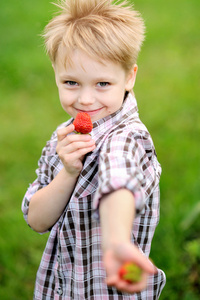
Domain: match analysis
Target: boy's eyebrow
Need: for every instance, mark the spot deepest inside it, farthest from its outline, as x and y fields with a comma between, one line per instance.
x=67, y=76
x=97, y=79
x=104, y=79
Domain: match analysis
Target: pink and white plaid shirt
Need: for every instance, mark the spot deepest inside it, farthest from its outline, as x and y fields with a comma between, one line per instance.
x=71, y=265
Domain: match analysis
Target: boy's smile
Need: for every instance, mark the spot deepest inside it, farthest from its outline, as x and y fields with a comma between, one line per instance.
x=87, y=85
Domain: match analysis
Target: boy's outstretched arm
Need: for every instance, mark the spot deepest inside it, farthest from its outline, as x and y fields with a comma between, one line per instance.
x=116, y=215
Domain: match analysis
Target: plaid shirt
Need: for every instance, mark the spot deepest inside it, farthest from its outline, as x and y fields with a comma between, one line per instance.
x=71, y=265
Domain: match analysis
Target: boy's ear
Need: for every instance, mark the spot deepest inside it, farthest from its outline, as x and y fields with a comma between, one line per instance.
x=131, y=78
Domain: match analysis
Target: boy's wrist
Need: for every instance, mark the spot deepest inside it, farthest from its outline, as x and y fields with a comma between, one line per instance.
x=70, y=175
x=113, y=244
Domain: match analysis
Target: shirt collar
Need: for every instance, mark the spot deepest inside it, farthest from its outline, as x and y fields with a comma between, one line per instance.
x=103, y=125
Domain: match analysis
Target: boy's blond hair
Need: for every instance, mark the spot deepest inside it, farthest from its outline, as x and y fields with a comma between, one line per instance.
x=103, y=30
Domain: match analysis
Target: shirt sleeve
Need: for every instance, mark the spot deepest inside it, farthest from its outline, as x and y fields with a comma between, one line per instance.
x=124, y=163
x=46, y=171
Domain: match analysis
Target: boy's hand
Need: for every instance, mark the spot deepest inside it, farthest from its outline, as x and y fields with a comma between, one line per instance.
x=116, y=256
x=71, y=149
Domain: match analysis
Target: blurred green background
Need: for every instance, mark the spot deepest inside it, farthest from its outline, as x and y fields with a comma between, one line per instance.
x=167, y=90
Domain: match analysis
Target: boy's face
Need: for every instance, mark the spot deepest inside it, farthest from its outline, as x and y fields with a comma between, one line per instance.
x=89, y=86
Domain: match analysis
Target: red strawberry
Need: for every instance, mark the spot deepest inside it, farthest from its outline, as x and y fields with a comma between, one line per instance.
x=83, y=123
x=130, y=272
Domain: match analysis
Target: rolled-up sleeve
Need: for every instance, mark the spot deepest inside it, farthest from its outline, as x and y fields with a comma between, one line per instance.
x=124, y=163
x=45, y=172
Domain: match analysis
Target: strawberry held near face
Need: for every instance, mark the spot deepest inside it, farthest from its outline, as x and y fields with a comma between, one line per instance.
x=83, y=123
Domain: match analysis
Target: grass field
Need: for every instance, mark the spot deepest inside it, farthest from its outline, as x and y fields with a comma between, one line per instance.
x=167, y=90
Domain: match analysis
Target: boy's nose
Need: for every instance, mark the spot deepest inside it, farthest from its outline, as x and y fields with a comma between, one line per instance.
x=86, y=98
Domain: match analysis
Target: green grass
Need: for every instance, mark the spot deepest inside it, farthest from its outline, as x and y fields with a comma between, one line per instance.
x=167, y=90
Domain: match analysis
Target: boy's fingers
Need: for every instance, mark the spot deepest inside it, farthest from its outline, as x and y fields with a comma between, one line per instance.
x=81, y=152
x=133, y=287
x=145, y=264
x=61, y=133
x=110, y=281
x=78, y=154
x=66, y=132
x=80, y=145
x=124, y=286
x=134, y=255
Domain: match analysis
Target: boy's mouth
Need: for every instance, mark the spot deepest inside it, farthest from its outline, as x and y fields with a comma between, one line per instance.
x=91, y=112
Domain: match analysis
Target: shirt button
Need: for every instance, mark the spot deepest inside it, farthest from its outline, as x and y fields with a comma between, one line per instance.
x=59, y=291
x=139, y=176
x=58, y=258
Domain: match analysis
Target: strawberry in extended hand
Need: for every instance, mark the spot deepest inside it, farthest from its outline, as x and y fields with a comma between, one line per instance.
x=130, y=273
x=83, y=123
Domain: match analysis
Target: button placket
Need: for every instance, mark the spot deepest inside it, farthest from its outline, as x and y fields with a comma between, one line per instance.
x=59, y=278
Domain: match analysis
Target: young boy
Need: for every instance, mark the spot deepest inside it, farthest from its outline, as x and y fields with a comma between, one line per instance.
x=97, y=194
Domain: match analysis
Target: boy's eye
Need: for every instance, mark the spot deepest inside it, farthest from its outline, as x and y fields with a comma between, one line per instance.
x=70, y=82
x=103, y=84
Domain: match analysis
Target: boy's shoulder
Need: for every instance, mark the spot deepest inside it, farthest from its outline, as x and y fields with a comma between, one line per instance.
x=131, y=127
x=127, y=136
x=129, y=123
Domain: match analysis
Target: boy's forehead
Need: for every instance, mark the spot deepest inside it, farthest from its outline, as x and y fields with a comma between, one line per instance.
x=67, y=58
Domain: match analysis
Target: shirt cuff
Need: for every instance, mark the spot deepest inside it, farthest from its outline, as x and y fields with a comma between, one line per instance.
x=133, y=183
